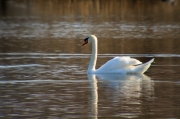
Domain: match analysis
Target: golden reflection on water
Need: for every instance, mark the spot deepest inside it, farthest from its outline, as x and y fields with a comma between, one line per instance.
x=102, y=9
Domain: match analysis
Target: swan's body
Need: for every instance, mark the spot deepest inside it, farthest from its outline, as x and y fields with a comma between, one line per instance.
x=123, y=65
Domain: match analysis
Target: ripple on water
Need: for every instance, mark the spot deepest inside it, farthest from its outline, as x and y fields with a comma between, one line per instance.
x=57, y=55
x=63, y=29
x=55, y=65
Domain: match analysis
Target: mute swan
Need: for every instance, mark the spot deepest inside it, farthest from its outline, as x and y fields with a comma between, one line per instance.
x=123, y=65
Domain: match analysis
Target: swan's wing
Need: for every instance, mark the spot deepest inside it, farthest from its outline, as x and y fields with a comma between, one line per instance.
x=119, y=63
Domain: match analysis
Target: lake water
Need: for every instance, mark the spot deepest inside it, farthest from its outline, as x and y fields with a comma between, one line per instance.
x=43, y=65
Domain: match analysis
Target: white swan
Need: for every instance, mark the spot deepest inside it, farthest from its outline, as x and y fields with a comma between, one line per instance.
x=123, y=65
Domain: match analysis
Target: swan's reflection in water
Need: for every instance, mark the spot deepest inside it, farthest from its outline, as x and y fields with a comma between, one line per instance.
x=128, y=93
x=94, y=93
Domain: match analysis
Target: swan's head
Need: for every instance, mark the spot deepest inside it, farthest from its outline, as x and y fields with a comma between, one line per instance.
x=89, y=39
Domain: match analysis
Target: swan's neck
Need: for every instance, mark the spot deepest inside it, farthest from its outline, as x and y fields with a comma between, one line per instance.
x=92, y=63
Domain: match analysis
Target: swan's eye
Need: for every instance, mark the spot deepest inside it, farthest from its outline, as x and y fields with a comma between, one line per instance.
x=85, y=41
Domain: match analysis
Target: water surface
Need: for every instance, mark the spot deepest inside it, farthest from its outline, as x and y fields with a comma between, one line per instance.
x=43, y=65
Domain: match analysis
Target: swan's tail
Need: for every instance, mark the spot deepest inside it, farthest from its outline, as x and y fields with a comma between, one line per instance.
x=143, y=67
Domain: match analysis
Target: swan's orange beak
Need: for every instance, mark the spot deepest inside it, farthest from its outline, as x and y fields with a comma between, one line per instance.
x=85, y=42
